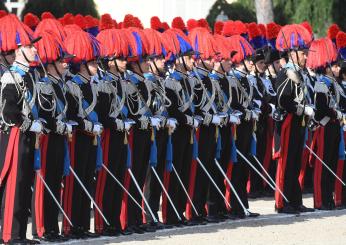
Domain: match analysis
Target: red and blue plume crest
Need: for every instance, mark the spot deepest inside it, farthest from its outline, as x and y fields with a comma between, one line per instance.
x=13, y=33
x=106, y=22
x=323, y=52
x=240, y=47
x=47, y=15
x=155, y=23
x=256, y=38
x=139, y=48
x=178, y=23
x=218, y=26
x=49, y=47
x=52, y=25
x=113, y=42
x=128, y=21
x=83, y=46
x=308, y=27
x=203, y=43
x=272, y=31
x=293, y=37
x=91, y=25
x=341, y=44
x=137, y=23
x=31, y=20
x=68, y=19
x=180, y=43
x=156, y=44
x=333, y=31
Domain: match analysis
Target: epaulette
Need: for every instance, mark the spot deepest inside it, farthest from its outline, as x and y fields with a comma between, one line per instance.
x=293, y=75
x=172, y=84
x=11, y=78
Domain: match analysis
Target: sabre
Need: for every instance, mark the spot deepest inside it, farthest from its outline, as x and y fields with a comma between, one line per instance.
x=165, y=191
x=187, y=194
x=232, y=187
x=255, y=169
x=212, y=181
x=325, y=165
x=142, y=195
x=123, y=187
x=271, y=179
x=53, y=197
x=88, y=194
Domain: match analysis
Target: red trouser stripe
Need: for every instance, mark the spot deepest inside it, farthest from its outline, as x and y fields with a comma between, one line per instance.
x=319, y=143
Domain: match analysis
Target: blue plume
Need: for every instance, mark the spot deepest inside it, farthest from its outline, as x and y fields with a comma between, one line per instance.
x=342, y=52
x=18, y=42
x=169, y=154
x=342, y=145
x=99, y=154
x=67, y=161
x=138, y=43
x=253, y=146
x=184, y=46
x=128, y=158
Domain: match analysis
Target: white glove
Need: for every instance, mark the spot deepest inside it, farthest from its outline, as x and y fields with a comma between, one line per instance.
x=171, y=123
x=97, y=129
x=195, y=123
x=254, y=115
x=338, y=115
x=309, y=111
x=155, y=122
x=216, y=120
x=248, y=114
x=127, y=126
x=234, y=119
x=36, y=127
x=68, y=128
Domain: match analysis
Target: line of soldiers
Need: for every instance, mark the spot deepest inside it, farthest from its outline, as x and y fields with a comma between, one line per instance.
x=125, y=119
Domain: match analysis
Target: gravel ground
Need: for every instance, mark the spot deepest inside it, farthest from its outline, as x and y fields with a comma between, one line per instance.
x=320, y=227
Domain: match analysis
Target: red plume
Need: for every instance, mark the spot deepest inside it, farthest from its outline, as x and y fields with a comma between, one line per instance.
x=324, y=53
x=31, y=20
x=204, y=23
x=3, y=13
x=71, y=29
x=341, y=40
x=68, y=19
x=218, y=27
x=47, y=15
x=165, y=26
x=191, y=24
x=333, y=31
x=253, y=30
x=307, y=27
x=178, y=23
x=171, y=36
x=80, y=21
x=106, y=22
x=155, y=44
x=293, y=36
x=263, y=29
x=203, y=42
x=53, y=26
x=231, y=28
x=128, y=21
x=137, y=23
x=13, y=33
x=90, y=21
x=155, y=23
x=272, y=30
x=222, y=46
x=49, y=46
x=114, y=42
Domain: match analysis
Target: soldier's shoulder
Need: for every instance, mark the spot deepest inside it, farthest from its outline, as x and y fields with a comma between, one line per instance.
x=11, y=77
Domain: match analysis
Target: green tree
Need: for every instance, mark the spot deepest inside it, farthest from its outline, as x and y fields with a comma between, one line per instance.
x=37, y=7
x=2, y=5
x=59, y=7
x=234, y=11
x=84, y=7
